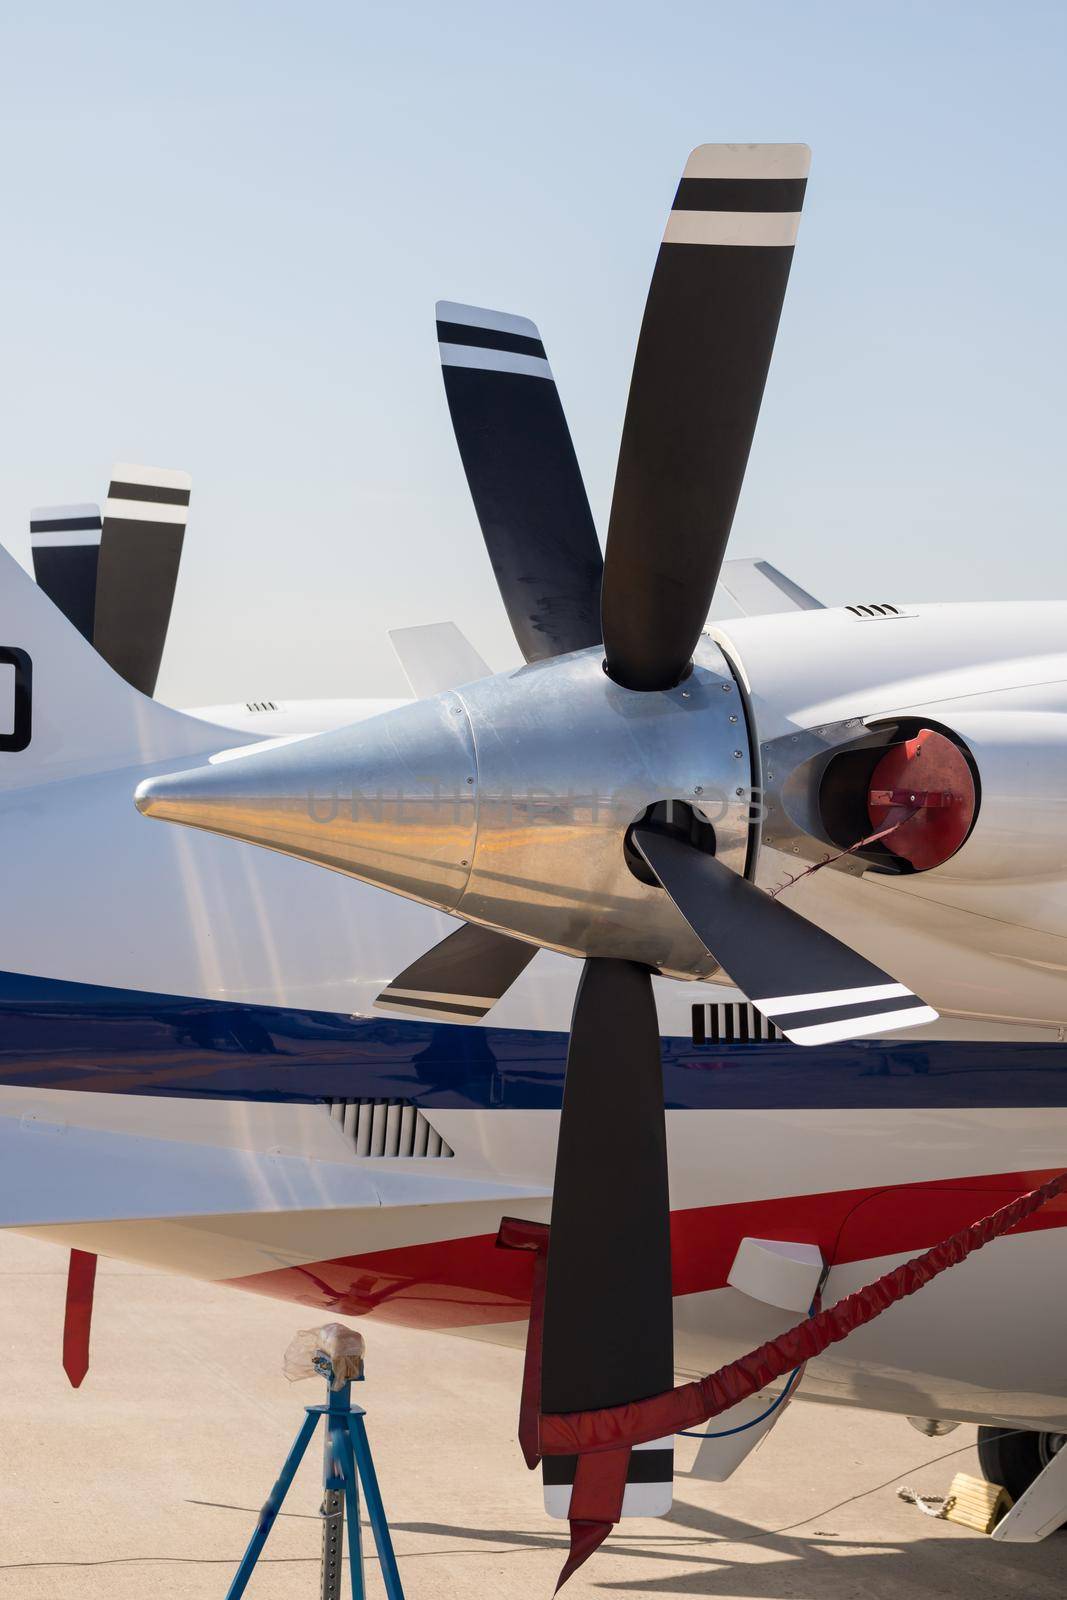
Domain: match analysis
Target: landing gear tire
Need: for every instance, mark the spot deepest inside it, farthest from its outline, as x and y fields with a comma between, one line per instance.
x=1013, y=1458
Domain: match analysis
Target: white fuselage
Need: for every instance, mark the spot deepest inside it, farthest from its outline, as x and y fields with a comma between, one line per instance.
x=175, y=1007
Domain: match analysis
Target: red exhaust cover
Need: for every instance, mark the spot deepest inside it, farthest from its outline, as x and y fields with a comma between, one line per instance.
x=932, y=773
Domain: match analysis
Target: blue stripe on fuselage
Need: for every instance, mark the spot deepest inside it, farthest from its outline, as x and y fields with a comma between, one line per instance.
x=59, y=1035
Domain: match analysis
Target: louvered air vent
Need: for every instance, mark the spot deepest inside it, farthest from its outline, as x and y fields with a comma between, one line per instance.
x=731, y=1022
x=387, y=1128
x=261, y=705
x=874, y=611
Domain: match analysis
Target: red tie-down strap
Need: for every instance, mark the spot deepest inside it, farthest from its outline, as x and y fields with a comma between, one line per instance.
x=613, y=1430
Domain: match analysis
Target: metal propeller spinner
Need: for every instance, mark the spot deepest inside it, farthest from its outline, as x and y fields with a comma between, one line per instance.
x=596, y=801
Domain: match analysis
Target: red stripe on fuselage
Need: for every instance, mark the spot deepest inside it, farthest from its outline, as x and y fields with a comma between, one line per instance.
x=468, y=1282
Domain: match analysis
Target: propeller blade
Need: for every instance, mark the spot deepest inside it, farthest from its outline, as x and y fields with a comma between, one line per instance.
x=808, y=983
x=140, y=551
x=65, y=544
x=460, y=978
x=608, y=1325
x=524, y=477
x=698, y=378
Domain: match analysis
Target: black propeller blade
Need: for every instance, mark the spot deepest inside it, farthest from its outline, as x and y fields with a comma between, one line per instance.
x=702, y=358
x=524, y=477
x=65, y=544
x=812, y=986
x=608, y=1325
x=140, y=552
x=460, y=978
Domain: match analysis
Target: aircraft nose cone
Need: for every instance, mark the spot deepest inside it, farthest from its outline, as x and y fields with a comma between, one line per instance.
x=392, y=800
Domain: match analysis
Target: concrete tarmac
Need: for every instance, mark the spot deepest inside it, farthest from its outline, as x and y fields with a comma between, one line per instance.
x=147, y=1480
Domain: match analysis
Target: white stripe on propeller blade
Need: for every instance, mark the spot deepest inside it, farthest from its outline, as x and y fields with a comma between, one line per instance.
x=442, y=996
x=425, y=1009
x=749, y=161
x=472, y=355
x=65, y=513
x=65, y=538
x=859, y=1027
x=150, y=477
x=145, y=511
x=778, y=1005
x=481, y=317
x=638, y=1499
x=755, y=228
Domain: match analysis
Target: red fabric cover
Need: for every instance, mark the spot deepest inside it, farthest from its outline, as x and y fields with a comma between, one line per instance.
x=77, y=1321
x=691, y=1404
x=925, y=786
x=602, y=1440
x=585, y=1538
x=599, y=1485
x=596, y=1505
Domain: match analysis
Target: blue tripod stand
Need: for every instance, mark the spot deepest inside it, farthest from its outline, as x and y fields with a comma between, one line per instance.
x=346, y=1463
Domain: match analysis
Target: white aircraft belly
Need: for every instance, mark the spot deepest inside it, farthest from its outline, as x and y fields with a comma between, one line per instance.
x=226, y=1213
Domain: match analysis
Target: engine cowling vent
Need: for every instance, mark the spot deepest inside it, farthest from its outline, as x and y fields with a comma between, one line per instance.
x=883, y=609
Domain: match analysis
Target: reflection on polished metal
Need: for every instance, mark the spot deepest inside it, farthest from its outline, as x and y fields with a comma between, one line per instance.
x=793, y=766
x=506, y=803
x=390, y=800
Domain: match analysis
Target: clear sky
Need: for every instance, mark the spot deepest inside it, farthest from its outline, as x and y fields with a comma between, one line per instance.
x=225, y=226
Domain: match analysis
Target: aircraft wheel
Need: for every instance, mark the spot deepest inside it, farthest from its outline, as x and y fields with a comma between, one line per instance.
x=1013, y=1458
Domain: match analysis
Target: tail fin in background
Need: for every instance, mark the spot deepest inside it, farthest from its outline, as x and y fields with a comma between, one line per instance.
x=65, y=541
x=140, y=553
x=63, y=711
